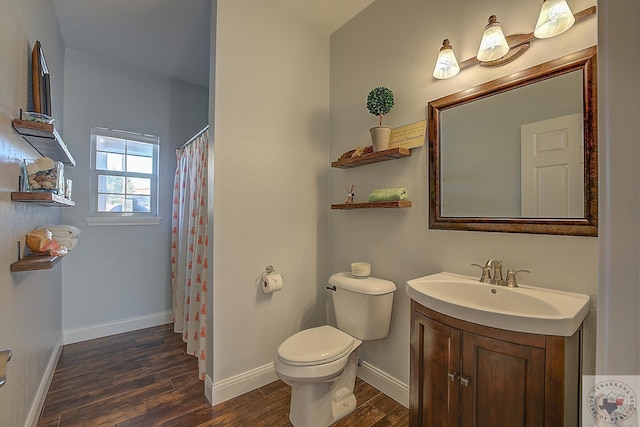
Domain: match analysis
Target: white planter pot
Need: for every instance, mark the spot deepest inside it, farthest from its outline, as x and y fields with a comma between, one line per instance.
x=380, y=136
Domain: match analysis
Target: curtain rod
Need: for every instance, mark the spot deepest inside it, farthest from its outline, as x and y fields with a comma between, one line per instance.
x=193, y=138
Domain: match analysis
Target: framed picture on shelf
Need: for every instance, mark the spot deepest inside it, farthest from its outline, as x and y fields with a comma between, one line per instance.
x=40, y=81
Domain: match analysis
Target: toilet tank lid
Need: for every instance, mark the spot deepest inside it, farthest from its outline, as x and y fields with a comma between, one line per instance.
x=365, y=285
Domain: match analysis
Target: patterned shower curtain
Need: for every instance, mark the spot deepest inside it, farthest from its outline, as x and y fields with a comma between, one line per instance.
x=189, y=243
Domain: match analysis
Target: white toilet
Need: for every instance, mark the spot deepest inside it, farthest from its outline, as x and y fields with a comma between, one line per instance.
x=320, y=363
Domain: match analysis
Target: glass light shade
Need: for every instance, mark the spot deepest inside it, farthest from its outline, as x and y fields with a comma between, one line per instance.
x=555, y=18
x=447, y=64
x=493, y=45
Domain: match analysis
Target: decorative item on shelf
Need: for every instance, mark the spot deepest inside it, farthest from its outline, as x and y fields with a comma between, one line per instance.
x=496, y=49
x=41, y=241
x=31, y=116
x=358, y=152
x=409, y=136
x=43, y=174
x=379, y=102
x=350, y=194
x=353, y=154
x=361, y=269
x=40, y=81
x=68, y=187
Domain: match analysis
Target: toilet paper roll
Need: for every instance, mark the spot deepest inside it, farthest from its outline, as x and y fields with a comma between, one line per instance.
x=271, y=282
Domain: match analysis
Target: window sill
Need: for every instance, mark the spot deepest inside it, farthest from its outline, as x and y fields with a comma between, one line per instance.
x=104, y=221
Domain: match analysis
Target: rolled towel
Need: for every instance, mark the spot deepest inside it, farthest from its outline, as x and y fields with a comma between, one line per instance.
x=62, y=230
x=67, y=242
x=388, y=194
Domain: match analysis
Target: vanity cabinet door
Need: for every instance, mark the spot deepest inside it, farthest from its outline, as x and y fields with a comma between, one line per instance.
x=468, y=375
x=435, y=362
x=502, y=384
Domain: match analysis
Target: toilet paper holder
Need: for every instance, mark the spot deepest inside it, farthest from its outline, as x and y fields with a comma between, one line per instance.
x=271, y=281
x=267, y=270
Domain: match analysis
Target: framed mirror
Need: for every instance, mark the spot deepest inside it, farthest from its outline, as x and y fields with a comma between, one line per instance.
x=40, y=81
x=518, y=154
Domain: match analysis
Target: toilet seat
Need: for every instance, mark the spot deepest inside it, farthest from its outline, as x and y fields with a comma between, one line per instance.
x=314, y=346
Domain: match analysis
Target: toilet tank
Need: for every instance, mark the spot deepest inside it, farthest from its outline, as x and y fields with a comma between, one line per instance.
x=362, y=305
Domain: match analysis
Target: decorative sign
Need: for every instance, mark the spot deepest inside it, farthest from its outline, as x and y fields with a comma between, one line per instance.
x=409, y=136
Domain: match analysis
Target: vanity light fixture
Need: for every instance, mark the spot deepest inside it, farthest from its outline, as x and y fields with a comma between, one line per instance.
x=555, y=18
x=493, y=45
x=447, y=64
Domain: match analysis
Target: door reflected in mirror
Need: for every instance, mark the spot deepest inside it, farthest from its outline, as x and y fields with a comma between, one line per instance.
x=518, y=154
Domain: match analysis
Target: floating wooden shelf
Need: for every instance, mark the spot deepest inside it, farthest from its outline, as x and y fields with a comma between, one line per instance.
x=373, y=205
x=35, y=262
x=44, y=138
x=379, y=156
x=41, y=198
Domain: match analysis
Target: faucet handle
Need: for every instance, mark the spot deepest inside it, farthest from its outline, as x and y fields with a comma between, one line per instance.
x=486, y=273
x=511, y=277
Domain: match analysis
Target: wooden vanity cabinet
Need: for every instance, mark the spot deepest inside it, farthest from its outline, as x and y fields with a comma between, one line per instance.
x=468, y=375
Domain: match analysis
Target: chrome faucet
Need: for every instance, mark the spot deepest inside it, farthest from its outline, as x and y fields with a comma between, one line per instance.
x=496, y=272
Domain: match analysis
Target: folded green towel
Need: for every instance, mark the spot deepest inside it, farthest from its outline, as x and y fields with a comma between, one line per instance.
x=387, y=194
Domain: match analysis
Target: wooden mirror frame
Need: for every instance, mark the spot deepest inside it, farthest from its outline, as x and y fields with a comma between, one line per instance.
x=585, y=60
x=40, y=81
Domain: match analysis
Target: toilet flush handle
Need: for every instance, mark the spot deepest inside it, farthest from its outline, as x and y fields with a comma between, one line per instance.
x=332, y=288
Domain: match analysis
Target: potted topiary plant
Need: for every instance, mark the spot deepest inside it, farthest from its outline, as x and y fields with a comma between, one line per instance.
x=380, y=102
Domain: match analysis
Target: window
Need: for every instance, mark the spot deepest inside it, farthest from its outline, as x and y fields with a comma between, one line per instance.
x=124, y=178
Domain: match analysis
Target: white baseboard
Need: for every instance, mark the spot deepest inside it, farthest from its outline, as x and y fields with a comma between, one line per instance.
x=208, y=389
x=41, y=394
x=384, y=382
x=239, y=384
x=125, y=325
x=251, y=380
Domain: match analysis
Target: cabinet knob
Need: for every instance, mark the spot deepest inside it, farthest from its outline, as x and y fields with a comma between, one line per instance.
x=452, y=375
x=464, y=381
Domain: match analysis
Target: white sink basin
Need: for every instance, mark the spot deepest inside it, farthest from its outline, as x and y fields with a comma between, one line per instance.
x=522, y=309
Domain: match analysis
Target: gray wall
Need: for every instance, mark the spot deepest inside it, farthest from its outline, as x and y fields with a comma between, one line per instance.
x=30, y=302
x=120, y=273
x=619, y=91
x=399, y=243
x=270, y=207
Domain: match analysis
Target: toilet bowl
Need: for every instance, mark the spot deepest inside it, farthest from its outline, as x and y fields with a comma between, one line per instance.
x=320, y=363
x=320, y=366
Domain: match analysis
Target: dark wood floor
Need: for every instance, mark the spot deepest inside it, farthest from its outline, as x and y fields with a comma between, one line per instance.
x=144, y=378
